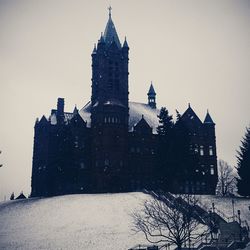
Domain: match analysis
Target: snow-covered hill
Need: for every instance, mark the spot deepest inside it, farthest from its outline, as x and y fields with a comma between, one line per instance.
x=89, y=222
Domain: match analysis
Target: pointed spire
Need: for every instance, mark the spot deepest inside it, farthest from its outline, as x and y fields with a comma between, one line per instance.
x=208, y=119
x=125, y=44
x=43, y=120
x=75, y=111
x=110, y=9
x=151, y=96
x=101, y=40
x=151, y=90
x=110, y=33
x=94, y=50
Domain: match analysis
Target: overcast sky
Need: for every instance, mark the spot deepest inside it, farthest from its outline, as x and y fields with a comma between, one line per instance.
x=193, y=51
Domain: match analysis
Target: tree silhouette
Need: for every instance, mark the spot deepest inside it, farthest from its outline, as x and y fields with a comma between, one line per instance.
x=243, y=165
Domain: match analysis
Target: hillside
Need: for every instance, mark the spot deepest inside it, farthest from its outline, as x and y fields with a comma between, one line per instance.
x=90, y=222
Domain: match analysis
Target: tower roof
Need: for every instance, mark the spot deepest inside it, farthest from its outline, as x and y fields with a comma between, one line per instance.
x=110, y=33
x=151, y=90
x=125, y=44
x=208, y=119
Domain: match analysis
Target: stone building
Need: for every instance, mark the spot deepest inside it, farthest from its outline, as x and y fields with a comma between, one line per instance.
x=111, y=144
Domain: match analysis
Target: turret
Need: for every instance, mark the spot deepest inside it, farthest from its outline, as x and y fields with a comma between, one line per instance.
x=151, y=97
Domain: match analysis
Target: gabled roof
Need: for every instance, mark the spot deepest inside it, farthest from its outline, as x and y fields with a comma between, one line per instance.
x=190, y=116
x=21, y=196
x=208, y=119
x=110, y=33
x=142, y=127
x=142, y=123
x=151, y=90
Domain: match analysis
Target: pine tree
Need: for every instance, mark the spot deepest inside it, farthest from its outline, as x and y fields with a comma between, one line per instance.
x=166, y=122
x=165, y=132
x=243, y=165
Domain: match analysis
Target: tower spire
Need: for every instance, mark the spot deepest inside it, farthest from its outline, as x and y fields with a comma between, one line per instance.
x=110, y=34
x=110, y=9
x=151, y=96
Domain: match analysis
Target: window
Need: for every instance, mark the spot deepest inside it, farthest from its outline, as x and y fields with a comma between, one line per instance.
x=106, y=162
x=82, y=166
x=211, y=150
x=196, y=150
x=201, y=150
x=105, y=119
x=212, y=169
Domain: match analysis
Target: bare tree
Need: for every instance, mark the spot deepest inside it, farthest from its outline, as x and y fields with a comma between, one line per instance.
x=226, y=179
x=168, y=223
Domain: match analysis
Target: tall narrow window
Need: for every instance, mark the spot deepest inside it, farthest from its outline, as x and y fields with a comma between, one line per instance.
x=212, y=169
x=201, y=150
x=211, y=150
x=196, y=149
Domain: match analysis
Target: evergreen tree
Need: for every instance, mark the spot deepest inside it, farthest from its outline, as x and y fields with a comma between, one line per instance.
x=243, y=165
x=166, y=122
x=165, y=131
x=178, y=115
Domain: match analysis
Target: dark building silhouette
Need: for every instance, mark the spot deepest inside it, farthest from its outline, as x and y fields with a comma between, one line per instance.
x=111, y=144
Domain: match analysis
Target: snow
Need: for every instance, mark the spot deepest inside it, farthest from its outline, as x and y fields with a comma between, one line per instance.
x=83, y=221
x=225, y=205
x=100, y=221
x=136, y=110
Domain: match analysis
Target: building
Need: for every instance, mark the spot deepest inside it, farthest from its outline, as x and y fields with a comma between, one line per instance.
x=111, y=144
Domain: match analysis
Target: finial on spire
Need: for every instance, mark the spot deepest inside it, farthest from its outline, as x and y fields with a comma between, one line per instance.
x=189, y=105
x=110, y=9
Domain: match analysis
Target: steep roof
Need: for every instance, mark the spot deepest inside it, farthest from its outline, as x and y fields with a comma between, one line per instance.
x=110, y=33
x=142, y=126
x=190, y=116
x=136, y=110
x=151, y=90
x=21, y=196
x=208, y=119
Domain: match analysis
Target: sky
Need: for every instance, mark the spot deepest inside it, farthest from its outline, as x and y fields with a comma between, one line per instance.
x=194, y=51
